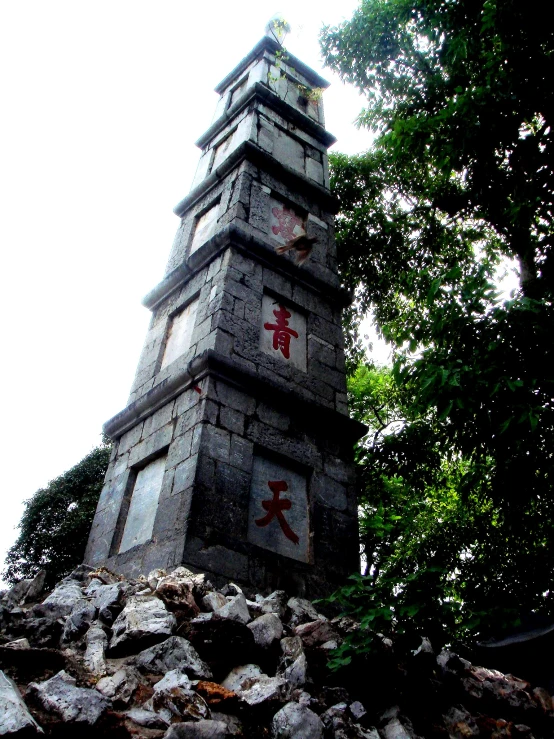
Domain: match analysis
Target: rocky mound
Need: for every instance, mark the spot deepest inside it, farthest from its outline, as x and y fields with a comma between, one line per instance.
x=170, y=656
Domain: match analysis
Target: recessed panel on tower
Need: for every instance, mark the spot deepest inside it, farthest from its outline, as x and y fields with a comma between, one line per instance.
x=278, y=517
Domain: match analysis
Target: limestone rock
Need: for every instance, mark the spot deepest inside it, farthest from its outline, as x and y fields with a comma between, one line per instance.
x=203, y=729
x=276, y=602
x=109, y=599
x=177, y=594
x=294, y=721
x=175, y=697
x=316, y=633
x=396, y=730
x=235, y=609
x=154, y=577
x=120, y=686
x=144, y=621
x=79, y=620
x=252, y=685
x=44, y=632
x=266, y=629
x=25, y=591
x=174, y=653
x=213, y=600
x=301, y=611
x=61, y=696
x=264, y=689
x=18, y=644
x=221, y=642
x=148, y=719
x=61, y=601
x=297, y=673
x=14, y=716
x=242, y=677
x=94, y=658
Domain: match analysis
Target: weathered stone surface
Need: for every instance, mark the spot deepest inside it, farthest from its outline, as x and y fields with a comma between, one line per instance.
x=14, y=715
x=148, y=719
x=175, y=697
x=315, y=633
x=396, y=730
x=72, y=704
x=266, y=629
x=18, y=644
x=120, y=686
x=213, y=600
x=296, y=722
x=235, y=609
x=175, y=653
x=61, y=601
x=25, y=591
x=264, y=689
x=44, y=632
x=94, y=658
x=276, y=602
x=109, y=600
x=223, y=643
x=177, y=594
x=302, y=611
x=144, y=621
x=79, y=620
x=242, y=677
x=297, y=673
x=203, y=729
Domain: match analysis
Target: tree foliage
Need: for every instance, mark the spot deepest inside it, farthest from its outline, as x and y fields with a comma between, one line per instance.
x=460, y=179
x=56, y=522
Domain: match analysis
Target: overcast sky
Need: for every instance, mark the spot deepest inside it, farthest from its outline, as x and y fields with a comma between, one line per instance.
x=101, y=105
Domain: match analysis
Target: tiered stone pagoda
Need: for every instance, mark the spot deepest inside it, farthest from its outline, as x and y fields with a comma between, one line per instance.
x=233, y=456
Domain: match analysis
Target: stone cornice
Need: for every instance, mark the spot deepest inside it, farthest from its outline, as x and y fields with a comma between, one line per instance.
x=286, y=110
x=253, y=248
x=211, y=363
x=253, y=153
x=268, y=44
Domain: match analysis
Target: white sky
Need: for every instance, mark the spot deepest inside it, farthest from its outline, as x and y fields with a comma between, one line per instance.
x=101, y=105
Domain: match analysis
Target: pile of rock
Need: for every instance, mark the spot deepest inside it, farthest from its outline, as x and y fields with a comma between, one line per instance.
x=170, y=656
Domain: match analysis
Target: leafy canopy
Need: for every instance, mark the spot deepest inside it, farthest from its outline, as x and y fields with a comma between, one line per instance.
x=56, y=522
x=458, y=495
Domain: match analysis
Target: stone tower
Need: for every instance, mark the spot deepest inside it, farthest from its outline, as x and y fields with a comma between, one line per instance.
x=233, y=455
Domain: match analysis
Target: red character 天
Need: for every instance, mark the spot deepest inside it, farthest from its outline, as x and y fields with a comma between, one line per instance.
x=282, y=331
x=287, y=222
x=275, y=508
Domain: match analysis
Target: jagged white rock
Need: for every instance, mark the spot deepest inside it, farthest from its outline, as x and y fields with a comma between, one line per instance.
x=266, y=629
x=174, y=653
x=72, y=704
x=144, y=621
x=14, y=716
x=294, y=721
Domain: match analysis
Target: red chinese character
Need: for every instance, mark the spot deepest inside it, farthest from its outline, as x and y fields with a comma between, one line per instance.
x=275, y=507
x=288, y=221
x=282, y=331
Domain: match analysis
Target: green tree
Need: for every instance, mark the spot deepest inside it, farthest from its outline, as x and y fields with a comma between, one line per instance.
x=56, y=522
x=460, y=179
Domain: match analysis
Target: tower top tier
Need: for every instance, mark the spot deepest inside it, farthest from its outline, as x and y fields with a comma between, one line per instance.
x=272, y=66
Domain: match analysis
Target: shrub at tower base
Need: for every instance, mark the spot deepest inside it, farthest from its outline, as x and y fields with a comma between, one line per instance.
x=55, y=525
x=458, y=187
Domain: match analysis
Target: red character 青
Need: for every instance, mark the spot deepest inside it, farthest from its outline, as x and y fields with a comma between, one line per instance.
x=282, y=331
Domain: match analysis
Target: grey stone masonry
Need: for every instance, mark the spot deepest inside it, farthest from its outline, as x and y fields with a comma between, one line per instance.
x=233, y=455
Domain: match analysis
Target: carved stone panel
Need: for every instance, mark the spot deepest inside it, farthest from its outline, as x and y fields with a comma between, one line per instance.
x=283, y=332
x=144, y=504
x=205, y=227
x=180, y=333
x=278, y=517
x=285, y=223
